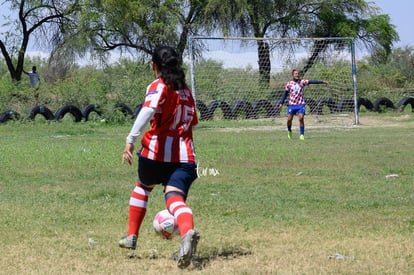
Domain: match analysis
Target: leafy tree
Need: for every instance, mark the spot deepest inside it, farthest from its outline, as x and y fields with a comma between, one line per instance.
x=403, y=60
x=47, y=20
x=309, y=18
x=396, y=72
x=127, y=25
x=101, y=26
x=357, y=19
x=257, y=18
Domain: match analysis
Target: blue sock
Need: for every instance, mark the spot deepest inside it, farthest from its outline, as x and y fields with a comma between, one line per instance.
x=302, y=130
x=289, y=128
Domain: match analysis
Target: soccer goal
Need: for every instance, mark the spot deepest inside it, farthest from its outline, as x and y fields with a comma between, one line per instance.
x=244, y=78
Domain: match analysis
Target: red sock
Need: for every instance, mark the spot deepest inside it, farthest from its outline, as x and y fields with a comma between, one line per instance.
x=137, y=208
x=182, y=213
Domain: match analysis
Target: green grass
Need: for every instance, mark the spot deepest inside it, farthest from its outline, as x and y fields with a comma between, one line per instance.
x=263, y=204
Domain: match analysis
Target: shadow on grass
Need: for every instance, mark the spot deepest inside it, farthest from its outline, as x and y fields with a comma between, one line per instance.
x=202, y=259
x=226, y=253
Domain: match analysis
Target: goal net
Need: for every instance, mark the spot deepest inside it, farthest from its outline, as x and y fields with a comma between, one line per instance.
x=244, y=78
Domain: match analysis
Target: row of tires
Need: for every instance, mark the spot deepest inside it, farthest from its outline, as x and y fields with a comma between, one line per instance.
x=239, y=108
x=77, y=114
x=265, y=108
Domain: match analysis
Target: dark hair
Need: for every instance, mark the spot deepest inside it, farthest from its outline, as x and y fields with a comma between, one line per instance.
x=169, y=64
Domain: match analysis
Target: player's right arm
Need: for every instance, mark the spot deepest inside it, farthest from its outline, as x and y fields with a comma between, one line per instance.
x=283, y=98
x=143, y=118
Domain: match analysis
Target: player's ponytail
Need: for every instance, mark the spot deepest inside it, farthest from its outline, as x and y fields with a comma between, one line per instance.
x=169, y=64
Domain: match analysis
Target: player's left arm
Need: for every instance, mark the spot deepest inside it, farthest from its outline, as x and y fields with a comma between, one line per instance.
x=318, y=82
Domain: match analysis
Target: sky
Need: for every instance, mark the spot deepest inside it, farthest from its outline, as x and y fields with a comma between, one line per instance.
x=400, y=12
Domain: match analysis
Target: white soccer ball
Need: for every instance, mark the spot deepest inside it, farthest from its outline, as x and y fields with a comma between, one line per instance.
x=164, y=223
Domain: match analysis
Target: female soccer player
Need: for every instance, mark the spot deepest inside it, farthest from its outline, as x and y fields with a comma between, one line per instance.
x=167, y=155
x=296, y=103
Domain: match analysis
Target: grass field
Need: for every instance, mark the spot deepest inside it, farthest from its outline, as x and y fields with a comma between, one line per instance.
x=263, y=204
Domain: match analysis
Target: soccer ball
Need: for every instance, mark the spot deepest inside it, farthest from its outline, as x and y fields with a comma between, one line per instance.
x=165, y=224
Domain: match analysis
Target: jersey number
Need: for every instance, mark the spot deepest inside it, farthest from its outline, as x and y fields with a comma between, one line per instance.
x=183, y=117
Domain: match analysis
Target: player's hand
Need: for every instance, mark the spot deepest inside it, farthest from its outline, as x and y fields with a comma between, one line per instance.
x=280, y=106
x=326, y=82
x=127, y=155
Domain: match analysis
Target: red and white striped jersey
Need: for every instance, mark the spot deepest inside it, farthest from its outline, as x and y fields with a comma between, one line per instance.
x=170, y=137
x=295, y=89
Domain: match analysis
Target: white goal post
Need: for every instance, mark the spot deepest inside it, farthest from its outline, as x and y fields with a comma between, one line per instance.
x=244, y=78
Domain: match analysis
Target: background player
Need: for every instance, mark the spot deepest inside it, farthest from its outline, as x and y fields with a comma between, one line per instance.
x=296, y=103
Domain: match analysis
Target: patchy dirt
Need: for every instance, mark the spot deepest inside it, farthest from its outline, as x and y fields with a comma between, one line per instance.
x=333, y=121
x=396, y=120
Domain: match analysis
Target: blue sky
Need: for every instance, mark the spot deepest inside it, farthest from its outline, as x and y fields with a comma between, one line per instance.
x=401, y=14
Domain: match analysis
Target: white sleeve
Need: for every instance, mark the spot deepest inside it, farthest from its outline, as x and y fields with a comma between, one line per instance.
x=144, y=116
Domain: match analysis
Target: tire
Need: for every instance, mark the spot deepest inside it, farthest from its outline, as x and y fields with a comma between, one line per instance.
x=345, y=105
x=241, y=106
x=383, y=101
x=89, y=109
x=4, y=117
x=325, y=102
x=71, y=109
x=262, y=104
x=124, y=109
x=366, y=103
x=202, y=108
x=42, y=110
x=218, y=104
x=9, y=115
x=136, y=111
x=404, y=102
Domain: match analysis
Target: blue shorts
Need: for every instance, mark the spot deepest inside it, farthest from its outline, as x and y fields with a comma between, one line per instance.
x=296, y=109
x=180, y=175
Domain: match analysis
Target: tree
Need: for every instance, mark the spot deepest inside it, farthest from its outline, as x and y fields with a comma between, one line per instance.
x=258, y=18
x=126, y=25
x=101, y=26
x=396, y=72
x=309, y=18
x=45, y=19
x=403, y=59
x=357, y=19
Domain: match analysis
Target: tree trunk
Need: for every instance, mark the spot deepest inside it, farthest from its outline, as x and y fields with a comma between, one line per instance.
x=14, y=76
x=317, y=48
x=264, y=63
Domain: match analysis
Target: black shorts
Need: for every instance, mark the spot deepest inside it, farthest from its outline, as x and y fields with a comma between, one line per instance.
x=180, y=175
